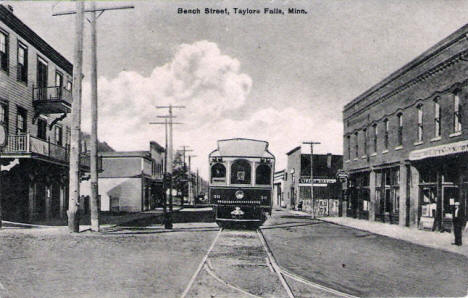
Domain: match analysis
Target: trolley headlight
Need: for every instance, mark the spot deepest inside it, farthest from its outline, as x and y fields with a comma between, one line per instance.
x=239, y=194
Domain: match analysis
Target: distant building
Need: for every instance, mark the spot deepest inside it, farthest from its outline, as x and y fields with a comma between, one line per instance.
x=297, y=185
x=278, y=189
x=406, y=140
x=35, y=100
x=130, y=181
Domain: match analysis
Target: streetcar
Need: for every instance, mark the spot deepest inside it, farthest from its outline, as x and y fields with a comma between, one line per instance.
x=241, y=181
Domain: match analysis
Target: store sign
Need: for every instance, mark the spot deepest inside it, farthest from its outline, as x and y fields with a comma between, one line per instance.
x=441, y=150
x=317, y=181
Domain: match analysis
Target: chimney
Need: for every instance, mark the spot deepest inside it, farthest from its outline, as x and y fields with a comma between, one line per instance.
x=329, y=160
x=10, y=8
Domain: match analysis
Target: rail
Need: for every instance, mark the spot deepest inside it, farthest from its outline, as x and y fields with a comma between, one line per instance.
x=53, y=93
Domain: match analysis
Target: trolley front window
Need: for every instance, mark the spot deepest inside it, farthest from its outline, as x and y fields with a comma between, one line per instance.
x=263, y=175
x=218, y=173
x=240, y=172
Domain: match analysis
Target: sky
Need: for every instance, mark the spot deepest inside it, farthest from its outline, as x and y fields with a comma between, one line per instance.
x=283, y=78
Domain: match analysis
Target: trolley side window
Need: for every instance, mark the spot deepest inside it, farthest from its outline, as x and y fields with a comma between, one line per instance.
x=240, y=172
x=263, y=175
x=218, y=173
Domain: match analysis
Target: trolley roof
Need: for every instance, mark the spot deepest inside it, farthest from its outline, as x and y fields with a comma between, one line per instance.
x=240, y=147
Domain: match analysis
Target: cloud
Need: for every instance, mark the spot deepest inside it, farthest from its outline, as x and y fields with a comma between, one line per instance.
x=211, y=86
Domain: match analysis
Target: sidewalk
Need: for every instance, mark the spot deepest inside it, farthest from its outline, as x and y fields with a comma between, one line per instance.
x=425, y=238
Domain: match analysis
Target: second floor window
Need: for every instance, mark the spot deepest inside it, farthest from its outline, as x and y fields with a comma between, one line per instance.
x=457, y=124
x=58, y=135
x=21, y=121
x=420, y=123
x=22, y=74
x=376, y=134
x=348, y=142
x=4, y=51
x=356, y=143
x=437, y=128
x=386, y=126
x=42, y=129
x=400, y=129
x=365, y=141
x=4, y=115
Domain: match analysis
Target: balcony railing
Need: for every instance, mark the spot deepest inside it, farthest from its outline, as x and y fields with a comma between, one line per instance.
x=52, y=99
x=27, y=144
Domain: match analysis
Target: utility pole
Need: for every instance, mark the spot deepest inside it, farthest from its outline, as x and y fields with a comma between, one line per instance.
x=169, y=162
x=190, y=186
x=75, y=138
x=197, y=189
x=94, y=203
x=311, y=143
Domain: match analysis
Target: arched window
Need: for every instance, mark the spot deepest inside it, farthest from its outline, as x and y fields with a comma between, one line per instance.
x=218, y=173
x=240, y=172
x=263, y=174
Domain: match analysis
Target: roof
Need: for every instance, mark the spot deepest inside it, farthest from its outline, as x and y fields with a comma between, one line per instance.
x=294, y=150
x=243, y=148
x=156, y=146
x=412, y=69
x=15, y=24
x=144, y=154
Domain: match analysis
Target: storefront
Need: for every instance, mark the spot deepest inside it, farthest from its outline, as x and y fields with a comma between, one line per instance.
x=358, y=195
x=443, y=180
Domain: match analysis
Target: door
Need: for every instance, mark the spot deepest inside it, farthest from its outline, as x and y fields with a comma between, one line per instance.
x=450, y=195
x=42, y=79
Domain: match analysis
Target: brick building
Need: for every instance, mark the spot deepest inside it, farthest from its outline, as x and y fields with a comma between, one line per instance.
x=406, y=140
x=35, y=99
x=297, y=184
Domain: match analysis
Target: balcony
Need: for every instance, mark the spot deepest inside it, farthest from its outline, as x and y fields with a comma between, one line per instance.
x=51, y=100
x=25, y=145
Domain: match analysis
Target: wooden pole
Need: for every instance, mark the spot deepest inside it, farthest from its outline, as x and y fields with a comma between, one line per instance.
x=94, y=204
x=74, y=189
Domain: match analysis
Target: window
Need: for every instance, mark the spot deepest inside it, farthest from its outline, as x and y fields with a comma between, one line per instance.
x=365, y=140
x=69, y=86
x=42, y=129
x=263, y=175
x=386, y=126
x=457, y=125
x=420, y=123
x=348, y=140
x=22, y=70
x=58, y=84
x=218, y=173
x=21, y=121
x=356, y=144
x=67, y=136
x=400, y=129
x=376, y=134
x=240, y=172
x=4, y=114
x=437, y=128
x=4, y=51
x=58, y=135
x=42, y=78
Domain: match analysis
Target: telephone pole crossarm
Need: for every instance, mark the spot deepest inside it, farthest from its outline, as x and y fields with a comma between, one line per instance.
x=68, y=12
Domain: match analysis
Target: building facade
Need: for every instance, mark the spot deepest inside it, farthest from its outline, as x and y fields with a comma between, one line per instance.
x=406, y=140
x=327, y=189
x=35, y=99
x=278, y=189
x=130, y=181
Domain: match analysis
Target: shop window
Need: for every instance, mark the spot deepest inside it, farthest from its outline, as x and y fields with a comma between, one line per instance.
x=21, y=121
x=240, y=172
x=375, y=137
x=356, y=144
x=4, y=51
x=400, y=129
x=420, y=122
x=437, y=127
x=263, y=175
x=22, y=70
x=457, y=125
x=386, y=131
x=218, y=173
